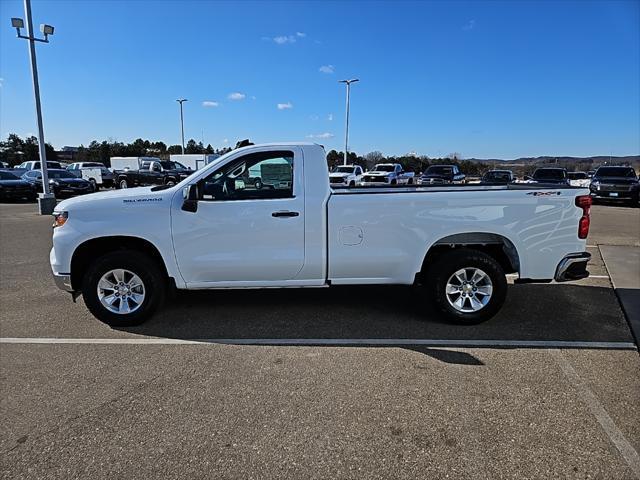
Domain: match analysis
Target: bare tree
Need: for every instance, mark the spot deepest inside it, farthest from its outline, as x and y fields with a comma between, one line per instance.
x=372, y=158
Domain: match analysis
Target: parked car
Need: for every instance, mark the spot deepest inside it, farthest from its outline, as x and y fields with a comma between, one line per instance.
x=14, y=188
x=615, y=183
x=578, y=179
x=61, y=182
x=346, y=175
x=550, y=175
x=387, y=174
x=498, y=177
x=106, y=175
x=162, y=172
x=442, y=175
x=210, y=231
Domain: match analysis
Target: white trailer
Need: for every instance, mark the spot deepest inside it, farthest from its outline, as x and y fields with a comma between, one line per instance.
x=195, y=161
x=130, y=163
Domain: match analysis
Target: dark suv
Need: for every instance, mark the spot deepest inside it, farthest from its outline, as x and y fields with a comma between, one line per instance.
x=615, y=183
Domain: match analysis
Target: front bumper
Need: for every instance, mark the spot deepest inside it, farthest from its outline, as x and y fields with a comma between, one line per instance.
x=63, y=282
x=573, y=267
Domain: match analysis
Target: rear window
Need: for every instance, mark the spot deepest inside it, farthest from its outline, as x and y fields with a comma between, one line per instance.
x=616, y=172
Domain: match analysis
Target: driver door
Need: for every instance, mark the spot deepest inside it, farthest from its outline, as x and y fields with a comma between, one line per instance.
x=244, y=232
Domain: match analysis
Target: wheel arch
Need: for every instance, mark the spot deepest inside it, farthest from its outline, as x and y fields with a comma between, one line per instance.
x=496, y=245
x=95, y=247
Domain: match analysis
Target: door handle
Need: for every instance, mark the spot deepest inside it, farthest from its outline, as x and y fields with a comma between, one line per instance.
x=285, y=214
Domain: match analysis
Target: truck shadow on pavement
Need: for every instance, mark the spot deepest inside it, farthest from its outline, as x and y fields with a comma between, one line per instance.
x=532, y=313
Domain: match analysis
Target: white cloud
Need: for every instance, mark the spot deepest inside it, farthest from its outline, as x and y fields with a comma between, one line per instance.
x=330, y=117
x=237, y=96
x=469, y=25
x=321, y=135
x=284, y=39
x=285, y=106
x=210, y=103
x=327, y=69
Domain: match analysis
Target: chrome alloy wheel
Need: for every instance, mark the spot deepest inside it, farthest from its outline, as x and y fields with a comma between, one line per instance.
x=121, y=291
x=469, y=290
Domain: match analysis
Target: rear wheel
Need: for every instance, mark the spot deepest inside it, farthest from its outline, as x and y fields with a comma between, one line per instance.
x=122, y=183
x=123, y=288
x=170, y=183
x=258, y=184
x=410, y=182
x=94, y=184
x=394, y=182
x=468, y=286
x=352, y=183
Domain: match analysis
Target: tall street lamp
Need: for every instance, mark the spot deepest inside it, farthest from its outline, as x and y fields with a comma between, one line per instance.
x=181, y=101
x=46, y=200
x=346, y=130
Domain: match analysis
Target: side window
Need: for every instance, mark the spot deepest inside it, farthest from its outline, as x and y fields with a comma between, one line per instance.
x=253, y=176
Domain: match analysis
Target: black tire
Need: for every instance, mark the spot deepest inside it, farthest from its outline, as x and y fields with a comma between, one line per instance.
x=258, y=184
x=352, y=183
x=445, y=266
x=134, y=261
x=170, y=182
x=394, y=182
x=94, y=184
x=123, y=183
x=410, y=182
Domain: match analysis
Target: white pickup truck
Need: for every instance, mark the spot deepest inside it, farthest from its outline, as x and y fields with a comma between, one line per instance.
x=124, y=249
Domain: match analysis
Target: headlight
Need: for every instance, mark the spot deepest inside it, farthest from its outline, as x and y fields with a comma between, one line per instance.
x=60, y=218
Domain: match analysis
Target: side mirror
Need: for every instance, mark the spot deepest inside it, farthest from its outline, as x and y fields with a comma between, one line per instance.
x=190, y=194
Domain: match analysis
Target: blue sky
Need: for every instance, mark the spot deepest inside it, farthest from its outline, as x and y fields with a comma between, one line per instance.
x=485, y=79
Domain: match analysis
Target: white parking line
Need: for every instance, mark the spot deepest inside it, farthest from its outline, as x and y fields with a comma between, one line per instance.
x=606, y=422
x=325, y=342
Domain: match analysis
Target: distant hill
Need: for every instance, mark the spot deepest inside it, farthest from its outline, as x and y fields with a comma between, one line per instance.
x=630, y=159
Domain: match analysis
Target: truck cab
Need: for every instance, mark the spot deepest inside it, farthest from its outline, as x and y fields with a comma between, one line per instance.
x=345, y=175
x=153, y=172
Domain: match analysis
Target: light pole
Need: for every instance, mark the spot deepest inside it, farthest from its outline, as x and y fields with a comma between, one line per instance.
x=181, y=101
x=46, y=201
x=346, y=129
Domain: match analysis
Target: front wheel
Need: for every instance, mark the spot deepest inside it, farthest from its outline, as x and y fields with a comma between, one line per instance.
x=468, y=286
x=123, y=288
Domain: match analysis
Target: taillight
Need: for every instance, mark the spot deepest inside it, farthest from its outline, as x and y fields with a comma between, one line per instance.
x=584, y=202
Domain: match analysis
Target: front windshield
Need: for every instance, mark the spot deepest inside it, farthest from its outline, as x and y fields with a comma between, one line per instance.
x=439, y=170
x=171, y=165
x=498, y=176
x=616, y=172
x=384, y=168
x=549, y=174
x=343, y=169
x=577, y=175
x=60, y=174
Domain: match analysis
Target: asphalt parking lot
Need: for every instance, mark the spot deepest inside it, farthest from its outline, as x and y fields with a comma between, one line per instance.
x=549, y=388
